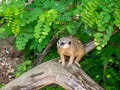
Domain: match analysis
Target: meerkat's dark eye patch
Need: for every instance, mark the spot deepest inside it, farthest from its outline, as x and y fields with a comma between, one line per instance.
x=62, y=43
x=69, y=42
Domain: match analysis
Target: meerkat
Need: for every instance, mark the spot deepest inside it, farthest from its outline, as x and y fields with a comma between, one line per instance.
x=72, y=48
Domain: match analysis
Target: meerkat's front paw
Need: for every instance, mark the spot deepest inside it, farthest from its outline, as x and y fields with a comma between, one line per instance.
x=77, y=64
x=59, y=61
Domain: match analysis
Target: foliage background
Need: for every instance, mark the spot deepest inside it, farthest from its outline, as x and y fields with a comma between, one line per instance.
x=33, y=23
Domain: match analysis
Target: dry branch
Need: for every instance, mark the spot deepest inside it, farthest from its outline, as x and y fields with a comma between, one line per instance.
x=70, y=78
x=41, y=56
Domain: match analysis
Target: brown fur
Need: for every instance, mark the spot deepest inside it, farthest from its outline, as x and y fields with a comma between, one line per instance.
x=75, y=51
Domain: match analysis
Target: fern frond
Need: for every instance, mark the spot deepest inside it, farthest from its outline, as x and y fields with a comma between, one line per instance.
x=45, y=21
x=22, y=39
x=15, y=27
x=88, y=13
x=30, y=16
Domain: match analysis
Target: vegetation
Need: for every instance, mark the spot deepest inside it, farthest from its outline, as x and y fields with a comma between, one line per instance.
x=34, y=23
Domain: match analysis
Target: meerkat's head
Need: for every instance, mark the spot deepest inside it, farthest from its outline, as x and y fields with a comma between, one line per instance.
x=63, y=43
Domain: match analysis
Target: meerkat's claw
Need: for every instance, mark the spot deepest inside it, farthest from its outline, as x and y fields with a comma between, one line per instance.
x=59, y=61
x=77, y=64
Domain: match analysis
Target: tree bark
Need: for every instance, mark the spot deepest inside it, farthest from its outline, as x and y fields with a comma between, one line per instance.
x=70, y=78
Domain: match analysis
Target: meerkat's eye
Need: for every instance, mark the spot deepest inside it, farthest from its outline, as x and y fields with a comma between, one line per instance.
x=62, y=43
x=69, y=42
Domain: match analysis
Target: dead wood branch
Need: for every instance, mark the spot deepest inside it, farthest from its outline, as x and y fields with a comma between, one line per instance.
x=41, y=56
x=70, y=78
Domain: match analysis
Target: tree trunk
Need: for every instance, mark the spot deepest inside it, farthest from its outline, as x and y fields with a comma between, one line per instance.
x=70, y=78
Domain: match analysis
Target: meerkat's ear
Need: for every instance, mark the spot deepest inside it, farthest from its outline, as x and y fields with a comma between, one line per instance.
x=69, y=42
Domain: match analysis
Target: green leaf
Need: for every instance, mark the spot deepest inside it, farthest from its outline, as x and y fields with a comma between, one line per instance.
x=106, y=37
x=99, y=47
x=24, y=68
x=98, y=35
x=109, y=30
x=28, y=62
x=107, y=18
x=17, y=74
x=101, y=29
x=79, y=7
x=19, y=68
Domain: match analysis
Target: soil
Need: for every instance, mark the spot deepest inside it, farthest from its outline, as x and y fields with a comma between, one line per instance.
x=9, y=59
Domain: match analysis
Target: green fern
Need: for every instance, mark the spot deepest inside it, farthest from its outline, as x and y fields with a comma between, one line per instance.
x=37, y=46
x=23, y=38
x=15, y=27
x=10, y=15
x=45, y=21
x=30, y=16
x=7, y=16
x=97, y=15
x=88, y=12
